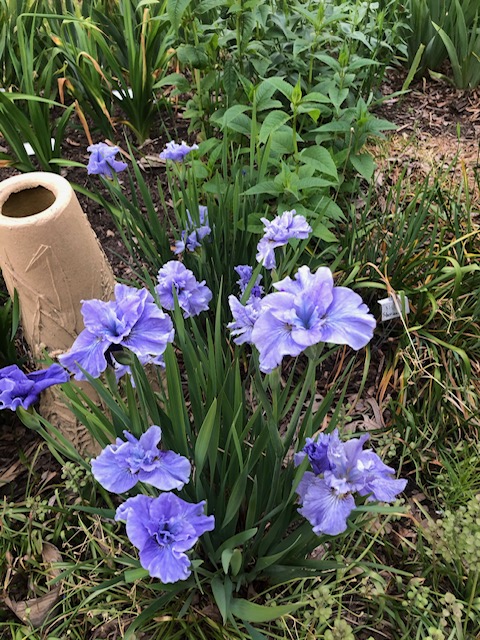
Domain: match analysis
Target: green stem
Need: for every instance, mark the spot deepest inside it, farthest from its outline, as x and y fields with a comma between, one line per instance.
x=471, y=599
x=295, y=143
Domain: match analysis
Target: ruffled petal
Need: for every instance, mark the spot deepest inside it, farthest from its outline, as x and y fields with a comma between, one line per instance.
x=136, y=512
x=170, y=471
x=272, y=334
x=88, y=351
x=54, y=374
x=348, y=320
x=163, y=563
x=244, y=319
x=150, y=439
x=113, y=472
x=151, y=333
x=384, y=489
x=266, y=253
x=325, y=509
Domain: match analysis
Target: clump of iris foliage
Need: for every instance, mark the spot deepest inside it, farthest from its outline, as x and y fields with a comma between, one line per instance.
x=231, y=494
x=243, y=481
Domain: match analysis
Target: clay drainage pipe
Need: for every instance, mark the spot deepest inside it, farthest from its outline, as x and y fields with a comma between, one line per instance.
x=51, y=256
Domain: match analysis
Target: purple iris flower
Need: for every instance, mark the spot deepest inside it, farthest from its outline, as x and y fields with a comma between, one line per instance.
x=193, y=296
x=176, y=152
x=192, y=236
x=306, y=311
x=163, y=529
x=19, y=389
x=244, y=317
x=245, y=272
x=102, y=160
x=133, y=320
x=341, y=469
x=121, y=465
x=278, y=232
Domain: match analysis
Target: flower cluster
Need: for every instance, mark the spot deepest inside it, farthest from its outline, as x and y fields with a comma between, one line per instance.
x=193, y=296
x=278, y=232
x=102, y=160
x=302, y=312
x=177, y=152
x=19, y=389
x=133, y=320
x=339, y=470
x=161, y=528
x=191, y=237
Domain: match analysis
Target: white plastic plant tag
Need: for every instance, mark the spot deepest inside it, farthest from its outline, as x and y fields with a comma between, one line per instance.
x=121, y=94
x=393, y=308
x=29, y=148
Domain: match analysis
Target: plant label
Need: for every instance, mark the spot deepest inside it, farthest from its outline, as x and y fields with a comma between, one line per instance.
x=394, y=307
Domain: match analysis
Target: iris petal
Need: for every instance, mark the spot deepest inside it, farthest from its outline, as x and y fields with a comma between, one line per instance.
x=326, y=510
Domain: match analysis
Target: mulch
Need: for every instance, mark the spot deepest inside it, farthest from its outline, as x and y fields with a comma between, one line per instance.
x=437, y=135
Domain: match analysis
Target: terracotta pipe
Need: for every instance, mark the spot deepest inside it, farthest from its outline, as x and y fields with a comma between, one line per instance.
x=51, y=256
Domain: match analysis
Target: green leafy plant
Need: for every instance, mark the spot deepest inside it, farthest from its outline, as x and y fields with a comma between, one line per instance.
x=115, y=59
x=446, y=29
x=26, y=118
x=421, y=244
x=462, y=43
x=217, y=410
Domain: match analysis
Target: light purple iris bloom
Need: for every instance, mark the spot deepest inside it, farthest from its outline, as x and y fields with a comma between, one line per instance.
x=19, y=389
x=177, y=152
x=193, y=296
x=163, y=529
x=244, y=317
x=102, y=160
x=245, y=272
x=306, y=311
x=133, y=320
x=192, y=236
x=121, y=465
x=278, y=232
x=341, y=469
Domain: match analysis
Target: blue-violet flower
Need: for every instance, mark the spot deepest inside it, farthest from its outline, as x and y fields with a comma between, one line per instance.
x=278, y=232
x=19, y=389
x=341, y=469
x=121, y=465
x=245, y=272
x=163, y=529
x=244, y=317
x=176, y=152
x=193, y=296
x=306, y=311
x=102, y=160
x=192, y=236
x=133, y=320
